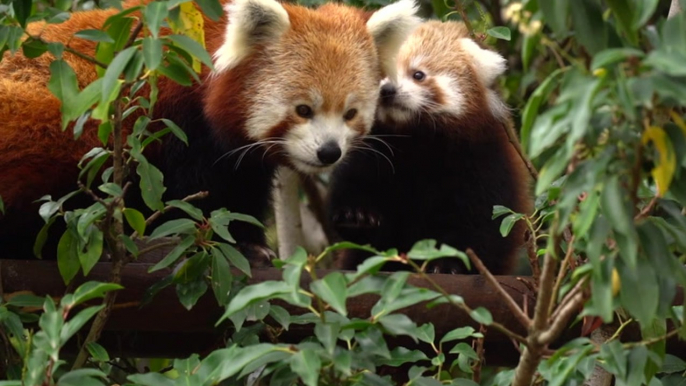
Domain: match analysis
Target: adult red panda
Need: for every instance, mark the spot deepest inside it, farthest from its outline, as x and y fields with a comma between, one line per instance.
x=440, y=160
x=298, y=84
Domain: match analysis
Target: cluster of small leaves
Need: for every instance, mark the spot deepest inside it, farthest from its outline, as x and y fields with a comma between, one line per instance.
x=40, y=350
x=344, y=350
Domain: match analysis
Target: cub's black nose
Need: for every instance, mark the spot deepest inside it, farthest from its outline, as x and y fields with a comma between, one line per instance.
x=387, y=93
x=329, y=153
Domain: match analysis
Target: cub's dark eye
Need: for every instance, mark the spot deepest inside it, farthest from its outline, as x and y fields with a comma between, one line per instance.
x=350, y=114
x=304, y=111
x=419, y=76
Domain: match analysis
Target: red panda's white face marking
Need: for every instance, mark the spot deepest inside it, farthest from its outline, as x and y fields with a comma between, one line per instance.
x=441, y=73
x=308, y=76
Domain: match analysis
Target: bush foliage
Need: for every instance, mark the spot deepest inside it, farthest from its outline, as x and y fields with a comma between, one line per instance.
x=599, y=92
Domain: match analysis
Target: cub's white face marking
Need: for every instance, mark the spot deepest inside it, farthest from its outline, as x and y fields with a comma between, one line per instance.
x=390, y=26
x=435, y=94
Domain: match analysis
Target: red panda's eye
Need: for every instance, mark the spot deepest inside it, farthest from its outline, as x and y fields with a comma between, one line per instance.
x=304, y=111
x=419, y=76
x=350, y=114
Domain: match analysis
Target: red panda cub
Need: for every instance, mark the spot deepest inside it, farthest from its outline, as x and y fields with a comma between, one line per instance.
x=291, y=86
x=438, y=159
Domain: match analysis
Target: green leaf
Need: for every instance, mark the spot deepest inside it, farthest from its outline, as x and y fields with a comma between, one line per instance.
x=499, y=33
x=151, y=379
x=152, y=52
x=152, y=185
x=97, y=352
x=136, y=220
x=187, y=207
x=173, y=227
x=327, y=334
x=175, y=253
x=589, y=26
x=333, y=290
x=236, y=258
x=114, y=70
x=532, y=106
x=91, y=255
x=95, y=35
x=555, y=15
x=155, y=13
x=672, y=364
x=74, y=324
x=22, y=10
x=611, y=56
x=644, y=10
x=26, y=300
x=192, y=47
x=399, y=324
x=62, y=81
x=211, y=8
x=458, y=333
x=481, y=315
x=91, y=290
x=464, y=349
x=624, y=17
x=177, y=73
x=499, y=210
x=176, y=130
x=306, y=364
x=2, y=206
x=82, y=377
x=640, y=291
x=33, y=48
x=508, y=222
x=280, y=315
x=190, y=293
x=253, y=294
x=221, y=277
x=67, y=257
x=42, y=237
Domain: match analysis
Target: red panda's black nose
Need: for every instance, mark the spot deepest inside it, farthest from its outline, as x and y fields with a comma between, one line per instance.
x=387, y=93
x=329, y=153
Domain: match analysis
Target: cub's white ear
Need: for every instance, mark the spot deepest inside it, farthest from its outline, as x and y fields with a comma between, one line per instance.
x=251, y=22
x=390, y=26
x=488, y=64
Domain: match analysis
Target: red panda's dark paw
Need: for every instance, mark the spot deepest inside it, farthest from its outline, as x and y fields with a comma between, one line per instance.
x=258, y=255
x=357, y=218
x=446, y=266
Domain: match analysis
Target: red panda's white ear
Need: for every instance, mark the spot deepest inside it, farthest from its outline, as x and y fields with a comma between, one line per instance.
x=390, y=26
x=488, y=64
x=251, y=22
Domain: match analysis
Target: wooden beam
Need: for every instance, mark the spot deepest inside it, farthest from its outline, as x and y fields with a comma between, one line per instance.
x=164, y=328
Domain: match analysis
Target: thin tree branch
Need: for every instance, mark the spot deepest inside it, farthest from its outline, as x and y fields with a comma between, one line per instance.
x=561, y=273
x=511, y=304
x=158, y=213
x=459, y=7
x=514, y=141
x=559, y=323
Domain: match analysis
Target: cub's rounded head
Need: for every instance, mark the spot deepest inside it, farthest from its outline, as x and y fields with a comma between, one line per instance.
x=304, y=81
x=442, y=74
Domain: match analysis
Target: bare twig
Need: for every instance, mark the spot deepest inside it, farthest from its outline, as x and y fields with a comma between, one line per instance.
x=495, y=325
x=511, y=304
x=158, y=213
x=134, y=34
x=459, y=7
x=563, y=316
x=533, y=259
x=561, y=273
x=514, y=141
x=645, y=212
x=480, y=352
